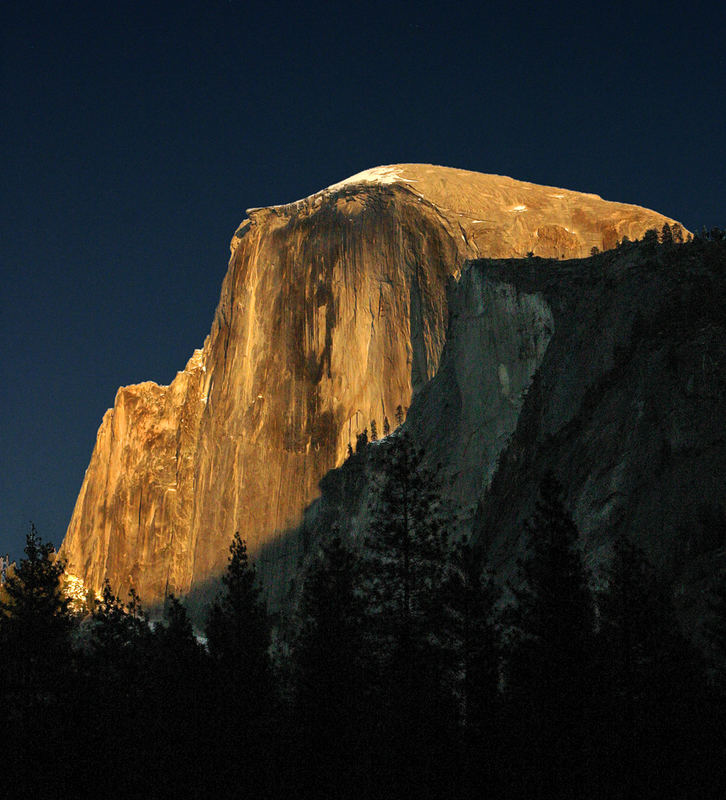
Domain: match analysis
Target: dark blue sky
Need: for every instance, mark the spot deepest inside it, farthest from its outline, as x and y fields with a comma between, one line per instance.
x=134, y=135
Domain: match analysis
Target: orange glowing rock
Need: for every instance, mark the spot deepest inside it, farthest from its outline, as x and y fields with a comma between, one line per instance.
x=332, y=313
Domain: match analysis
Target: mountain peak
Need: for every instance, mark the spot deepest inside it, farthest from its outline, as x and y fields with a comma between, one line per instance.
x=333, y=313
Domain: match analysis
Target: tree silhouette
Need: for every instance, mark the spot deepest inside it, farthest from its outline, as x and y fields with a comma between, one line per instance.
x=714, y=732
x=36, y=671
x=404, y=571
x=471, y=599
x=407, y=541
x=35, y=620
x=650, y=240
x=117, y=673
x=237, y=629
x=551, y=646
x=361, y=441
x=178, y=700
x=648, y=677
x=117, y=643
x=329, y=642
x=238, y=638
x=329, y=671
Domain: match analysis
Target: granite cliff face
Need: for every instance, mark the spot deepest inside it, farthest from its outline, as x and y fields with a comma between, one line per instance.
x=627, y=409
x=333, y=312
x=608, y=371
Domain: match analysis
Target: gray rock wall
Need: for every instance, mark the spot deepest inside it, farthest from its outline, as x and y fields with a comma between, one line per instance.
x=610, y=371
x=627, y=408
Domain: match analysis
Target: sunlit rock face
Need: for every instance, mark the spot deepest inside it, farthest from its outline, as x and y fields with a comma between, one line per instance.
x=333, y=312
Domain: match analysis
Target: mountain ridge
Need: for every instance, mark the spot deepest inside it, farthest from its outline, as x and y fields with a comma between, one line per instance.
x=333, y=312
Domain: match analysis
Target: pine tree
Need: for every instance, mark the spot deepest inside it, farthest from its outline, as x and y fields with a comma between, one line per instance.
x=404, y=571
x=237, y=628
x=36, y=672
x=374, y=431
x=177, y=701
x=406, y=543
x=175, y=637
x=386, y=426
x=471, y=599
x=648, y=675
x=331, y=614
x=35, y=620
x=361, y=441
x=666, y=235
x=650, y=240
x=238, y=639
x=551, y=648
x=330, y=675
x=713, y=724
x=119, y=637
x=117, y=672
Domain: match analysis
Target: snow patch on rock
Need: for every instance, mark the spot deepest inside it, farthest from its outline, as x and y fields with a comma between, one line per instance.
x=373, y=175
x=379, y=175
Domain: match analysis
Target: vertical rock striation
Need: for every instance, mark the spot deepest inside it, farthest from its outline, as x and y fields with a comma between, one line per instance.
x=333, y=312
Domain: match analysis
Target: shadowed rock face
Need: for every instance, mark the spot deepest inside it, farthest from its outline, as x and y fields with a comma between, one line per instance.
x=333, y=312
x=626, y=408
x=607, y=371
